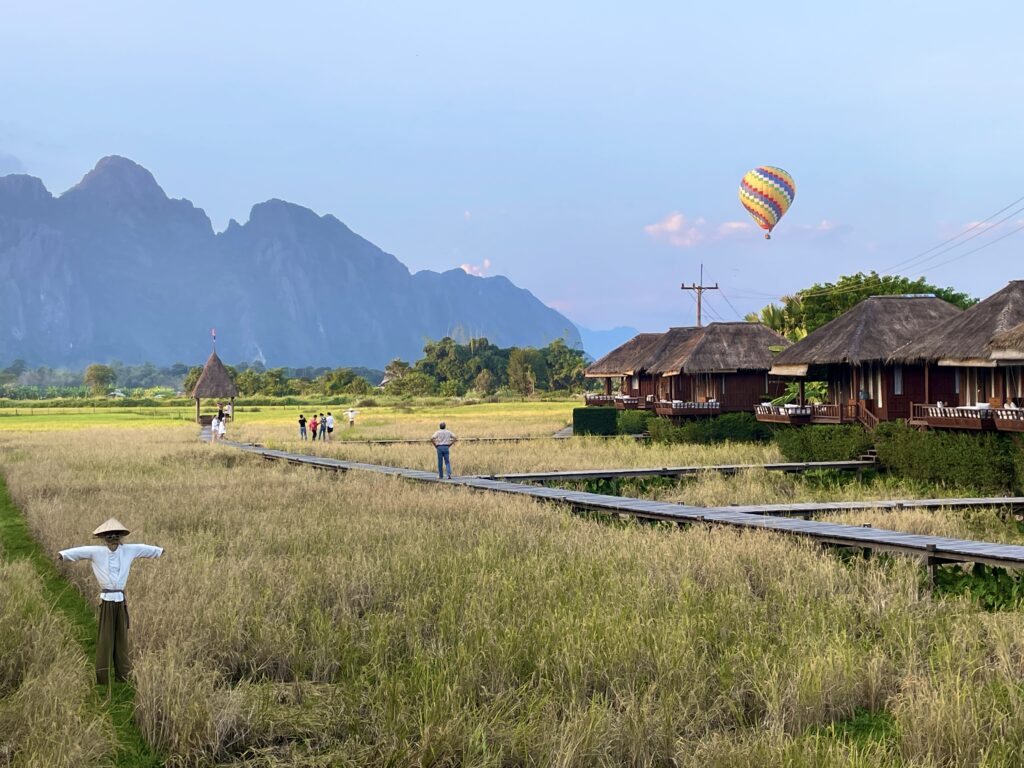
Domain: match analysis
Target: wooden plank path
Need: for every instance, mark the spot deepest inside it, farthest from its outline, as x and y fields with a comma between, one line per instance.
x=463, y=440
x=726, y=469
x=806, y=509
x=934, y=549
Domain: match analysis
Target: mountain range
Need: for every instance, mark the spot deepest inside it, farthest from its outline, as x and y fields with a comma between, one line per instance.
x=114, y=269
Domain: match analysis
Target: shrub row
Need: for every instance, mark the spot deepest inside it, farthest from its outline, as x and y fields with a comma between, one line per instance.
x=734, y=427
x=984, y=462
x=593, y=421
x=635, y=422
x=819, y=442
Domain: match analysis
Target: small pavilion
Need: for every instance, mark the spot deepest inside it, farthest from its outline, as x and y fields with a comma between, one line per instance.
x=214, y=382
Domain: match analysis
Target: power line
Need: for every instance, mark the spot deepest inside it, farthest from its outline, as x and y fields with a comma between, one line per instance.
x=984, y=231
x=735, y=311
x=957, y=237
x=979, y=248
x=922, y=262
x=699, y=290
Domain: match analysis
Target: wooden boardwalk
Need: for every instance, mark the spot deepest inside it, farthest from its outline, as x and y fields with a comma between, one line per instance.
x=935, y=550
x=726, y=469
x=808, y=509
x=560, y=435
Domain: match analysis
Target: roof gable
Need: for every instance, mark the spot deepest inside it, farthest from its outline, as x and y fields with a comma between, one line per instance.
x=872, y=330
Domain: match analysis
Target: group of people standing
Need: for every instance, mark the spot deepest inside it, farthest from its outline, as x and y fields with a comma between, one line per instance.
x=322, y=426
x=218, y=427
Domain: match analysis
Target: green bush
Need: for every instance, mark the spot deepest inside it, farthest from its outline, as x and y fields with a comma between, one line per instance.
x=593, y=421
x=634, y=422
x=733, y=427
x=821, y=442
x=1018, y=465
x=983, y=462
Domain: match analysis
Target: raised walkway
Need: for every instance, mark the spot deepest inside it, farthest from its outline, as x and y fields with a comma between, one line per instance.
x=725, y=469
x=936, y=550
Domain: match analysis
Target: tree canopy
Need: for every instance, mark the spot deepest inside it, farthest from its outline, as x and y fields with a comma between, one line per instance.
x=810, y=308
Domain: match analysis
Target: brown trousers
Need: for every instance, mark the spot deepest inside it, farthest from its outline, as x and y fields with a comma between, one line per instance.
x=112, y=643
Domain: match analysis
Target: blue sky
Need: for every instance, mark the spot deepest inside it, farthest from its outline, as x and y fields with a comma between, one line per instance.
x=589, y=151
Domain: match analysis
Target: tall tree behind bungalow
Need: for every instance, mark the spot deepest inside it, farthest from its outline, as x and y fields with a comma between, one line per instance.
x=810, y=308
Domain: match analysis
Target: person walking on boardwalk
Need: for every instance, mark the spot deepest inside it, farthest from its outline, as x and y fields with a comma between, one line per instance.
x=110, y=565
x=302, y=427
x=443, y=440
x=214, y=429
x=330, y=426
x=313, y=427
x=323, y=427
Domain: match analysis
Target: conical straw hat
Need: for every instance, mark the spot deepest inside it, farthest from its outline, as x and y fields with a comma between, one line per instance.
x=111, y=526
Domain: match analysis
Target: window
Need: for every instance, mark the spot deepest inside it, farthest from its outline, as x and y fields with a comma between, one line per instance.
x=897, y=380
x=636, y=382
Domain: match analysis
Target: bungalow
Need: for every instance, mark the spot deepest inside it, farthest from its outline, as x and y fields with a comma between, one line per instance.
x=980, y=360
x=626, y=364
x=694, y=371
x=854, y=354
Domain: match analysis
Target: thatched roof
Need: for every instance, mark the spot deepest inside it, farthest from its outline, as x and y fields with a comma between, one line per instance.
x=214, y=381
x=870, y=332
x=1008, y=344
x=626, y=359
x=718, y=347
x=967, y=336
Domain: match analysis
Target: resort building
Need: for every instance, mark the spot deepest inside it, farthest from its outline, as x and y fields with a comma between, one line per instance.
x=694, y=371
x=855, y=355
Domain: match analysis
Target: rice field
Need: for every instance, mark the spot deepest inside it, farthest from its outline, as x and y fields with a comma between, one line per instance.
x=310, y=618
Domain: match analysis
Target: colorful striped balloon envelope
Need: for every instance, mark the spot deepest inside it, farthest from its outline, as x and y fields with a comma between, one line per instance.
x=767, y=192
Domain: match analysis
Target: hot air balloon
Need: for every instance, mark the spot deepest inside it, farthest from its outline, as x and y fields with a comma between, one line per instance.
x=767, y=193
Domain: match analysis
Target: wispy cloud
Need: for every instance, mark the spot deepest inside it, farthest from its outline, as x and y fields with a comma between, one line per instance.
x=480, y=270
x=676, y=229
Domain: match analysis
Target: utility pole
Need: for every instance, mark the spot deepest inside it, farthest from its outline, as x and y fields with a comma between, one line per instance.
x=699, y=288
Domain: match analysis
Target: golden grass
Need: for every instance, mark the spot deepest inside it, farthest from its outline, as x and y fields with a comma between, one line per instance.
x=47, y=713
x=304, y=617
x=416, y=421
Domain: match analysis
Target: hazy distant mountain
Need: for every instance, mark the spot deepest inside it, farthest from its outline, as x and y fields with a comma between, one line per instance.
x=114, y=269
x=599, y=343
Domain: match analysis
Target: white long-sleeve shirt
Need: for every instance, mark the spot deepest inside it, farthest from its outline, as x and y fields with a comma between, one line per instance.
x=111, y=568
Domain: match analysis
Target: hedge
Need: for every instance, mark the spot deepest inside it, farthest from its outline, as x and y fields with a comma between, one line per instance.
x=593, y=421
x=635, y=422
x=985, y=462
x=734, y=427
x=822, y=442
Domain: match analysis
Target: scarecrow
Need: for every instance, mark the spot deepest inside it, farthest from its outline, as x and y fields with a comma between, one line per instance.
x=110, y=565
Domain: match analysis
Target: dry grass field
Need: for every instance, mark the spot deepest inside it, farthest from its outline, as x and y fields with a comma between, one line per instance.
x=48, y=713
x=311, y=618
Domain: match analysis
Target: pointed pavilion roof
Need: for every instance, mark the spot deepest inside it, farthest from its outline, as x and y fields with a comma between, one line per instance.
x=214, y=381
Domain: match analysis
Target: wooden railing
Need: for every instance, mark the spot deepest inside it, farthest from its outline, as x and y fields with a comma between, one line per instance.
x=866, y=417
x=687, y=408
x=604, y=400
x=953, y=417
x=1009, y=419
